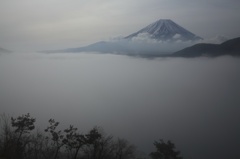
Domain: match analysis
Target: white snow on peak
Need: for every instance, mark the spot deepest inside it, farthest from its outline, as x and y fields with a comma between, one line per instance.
x=166, y=29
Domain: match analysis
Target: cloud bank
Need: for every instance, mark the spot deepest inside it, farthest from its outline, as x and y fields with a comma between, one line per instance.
x=193, y=102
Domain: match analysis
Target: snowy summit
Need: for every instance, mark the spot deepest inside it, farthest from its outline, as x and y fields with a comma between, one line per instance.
x=166, y=30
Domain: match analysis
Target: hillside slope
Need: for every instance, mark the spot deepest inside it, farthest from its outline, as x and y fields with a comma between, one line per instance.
x=230, y=47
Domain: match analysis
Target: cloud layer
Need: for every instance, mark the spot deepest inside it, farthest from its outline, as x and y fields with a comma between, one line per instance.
x=194, y=102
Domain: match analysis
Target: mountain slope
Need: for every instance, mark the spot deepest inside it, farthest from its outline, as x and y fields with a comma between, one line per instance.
x=165, y=30
x=230, y=47
x=170, y=37
x=121, y=47
x=102, y=47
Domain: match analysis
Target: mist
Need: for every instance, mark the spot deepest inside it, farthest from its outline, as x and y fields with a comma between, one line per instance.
x=193, y=102
x=144, y=44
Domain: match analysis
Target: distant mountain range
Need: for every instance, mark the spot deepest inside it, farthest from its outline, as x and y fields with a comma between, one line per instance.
x=161, y=31
x=166, y=30
x=230, y=47
x=166, y=37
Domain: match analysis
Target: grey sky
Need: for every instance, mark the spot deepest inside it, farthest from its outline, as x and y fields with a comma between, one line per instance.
x=28, y=25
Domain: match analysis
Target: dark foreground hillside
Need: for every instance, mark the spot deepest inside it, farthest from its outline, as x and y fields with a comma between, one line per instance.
x=230, y=47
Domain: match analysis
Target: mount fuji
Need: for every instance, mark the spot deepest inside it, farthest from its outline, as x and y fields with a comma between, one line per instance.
x=166, y=30
x=161, y=37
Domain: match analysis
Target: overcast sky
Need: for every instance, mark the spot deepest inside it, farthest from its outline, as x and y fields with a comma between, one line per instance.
x=29, y=25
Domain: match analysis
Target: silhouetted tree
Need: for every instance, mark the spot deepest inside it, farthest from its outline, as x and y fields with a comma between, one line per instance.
x=124, y=150
x=7, y=137
x=73, y=140
x=56, y=136
x=93, y=143
x=18, y=142
x=36, y=147
x=165, y=151
x=23, y=126
x=103, y=148
x=48, y=149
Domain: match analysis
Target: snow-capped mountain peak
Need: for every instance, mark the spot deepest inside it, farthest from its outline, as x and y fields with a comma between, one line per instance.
x=166, y=30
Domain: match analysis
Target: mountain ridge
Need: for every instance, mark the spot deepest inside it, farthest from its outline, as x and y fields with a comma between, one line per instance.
x=229, y=47
x=162, y=32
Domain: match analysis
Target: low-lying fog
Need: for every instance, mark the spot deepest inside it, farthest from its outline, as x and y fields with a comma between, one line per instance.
x=193, y=102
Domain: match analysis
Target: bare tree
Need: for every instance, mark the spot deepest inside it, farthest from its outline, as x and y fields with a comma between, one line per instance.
x=6, y=138
x=124, y=150
x=35, y=148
